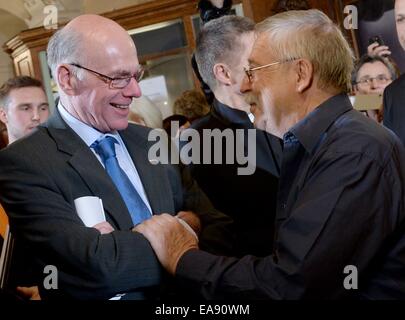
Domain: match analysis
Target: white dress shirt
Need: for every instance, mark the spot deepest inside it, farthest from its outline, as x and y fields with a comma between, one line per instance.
x=89, y=135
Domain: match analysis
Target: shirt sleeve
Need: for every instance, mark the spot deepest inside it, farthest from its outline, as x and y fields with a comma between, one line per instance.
x=90, y=265
x=343, y=214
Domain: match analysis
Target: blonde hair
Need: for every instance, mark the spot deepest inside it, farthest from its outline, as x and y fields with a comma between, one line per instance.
x=311, y=35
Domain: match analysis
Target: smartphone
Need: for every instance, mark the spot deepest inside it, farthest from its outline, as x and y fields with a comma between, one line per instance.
x=376, y=39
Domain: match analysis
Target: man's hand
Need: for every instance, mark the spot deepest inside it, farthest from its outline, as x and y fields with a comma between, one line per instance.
x=104, y=227
x=168, y=238
x=375, y=49
x=29, y=293
x=192, y=220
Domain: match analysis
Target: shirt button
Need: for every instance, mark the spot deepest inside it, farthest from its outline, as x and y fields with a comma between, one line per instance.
x=283, y=206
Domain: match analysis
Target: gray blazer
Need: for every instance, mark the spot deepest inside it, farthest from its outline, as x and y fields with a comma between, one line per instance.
x=41, y=176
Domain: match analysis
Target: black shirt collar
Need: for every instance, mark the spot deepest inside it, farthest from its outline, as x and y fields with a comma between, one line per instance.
x=231, y=115
x=310, y=130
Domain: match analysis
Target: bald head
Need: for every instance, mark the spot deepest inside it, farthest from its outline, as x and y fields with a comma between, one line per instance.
x=94, y=22
x=88, y=38
x=95, y=64
x=98, y=30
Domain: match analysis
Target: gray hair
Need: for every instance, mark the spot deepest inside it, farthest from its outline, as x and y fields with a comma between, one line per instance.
x=311, y=35
x=219, y=41
x=65, y=46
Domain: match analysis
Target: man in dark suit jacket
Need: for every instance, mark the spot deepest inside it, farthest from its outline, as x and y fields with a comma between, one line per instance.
x=221, y=53
x=394, y=107
x=394, y=94
x=42, y=175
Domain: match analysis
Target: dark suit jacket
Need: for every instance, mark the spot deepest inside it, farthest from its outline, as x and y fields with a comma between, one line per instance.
x=249, y=199
x=42, y=175
x=394, y=107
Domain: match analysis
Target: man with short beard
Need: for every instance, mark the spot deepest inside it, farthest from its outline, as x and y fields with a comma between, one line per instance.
x=341, y=198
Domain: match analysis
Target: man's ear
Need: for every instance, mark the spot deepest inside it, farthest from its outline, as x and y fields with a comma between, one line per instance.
x=222, y=74
x=67, y=82
x=3, y=115
x=305, y=75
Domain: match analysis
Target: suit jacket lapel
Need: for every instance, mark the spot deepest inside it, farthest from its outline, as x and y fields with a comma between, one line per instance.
x=153, y=177
x=91, y=171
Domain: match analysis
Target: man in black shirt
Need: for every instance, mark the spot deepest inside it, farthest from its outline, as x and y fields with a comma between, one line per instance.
x=340, y=211
x=222, y=50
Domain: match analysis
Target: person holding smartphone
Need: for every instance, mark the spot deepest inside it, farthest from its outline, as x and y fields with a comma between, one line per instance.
x=376, y=47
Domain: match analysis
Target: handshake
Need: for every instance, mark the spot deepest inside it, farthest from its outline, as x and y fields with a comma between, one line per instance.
x=170, y=236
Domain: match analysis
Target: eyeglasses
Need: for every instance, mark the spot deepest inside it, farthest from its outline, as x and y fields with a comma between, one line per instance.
x=114, y=83
x=380, y=79
x=249, y=70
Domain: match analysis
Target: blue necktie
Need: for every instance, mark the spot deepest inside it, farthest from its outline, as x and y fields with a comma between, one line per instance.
x=106, y=150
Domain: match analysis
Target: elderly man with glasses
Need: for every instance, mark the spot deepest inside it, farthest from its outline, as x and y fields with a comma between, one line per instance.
x=340, y=211
x=87, y=148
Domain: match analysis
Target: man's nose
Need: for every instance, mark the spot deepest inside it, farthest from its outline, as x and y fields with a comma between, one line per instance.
x=373, y=83
x=35, y=115
x=132, y=89
x=246, y=85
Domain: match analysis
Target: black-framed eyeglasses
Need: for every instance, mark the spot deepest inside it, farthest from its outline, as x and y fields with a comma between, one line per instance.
x=380, y=79
x=249, y=71
x=114, y=83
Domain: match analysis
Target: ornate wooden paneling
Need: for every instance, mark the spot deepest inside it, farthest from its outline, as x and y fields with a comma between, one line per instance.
x=23, y=64
x=25, y=46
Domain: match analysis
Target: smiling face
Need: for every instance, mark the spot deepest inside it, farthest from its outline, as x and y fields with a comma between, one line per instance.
x=110, y=51
x=102, y=107
x=25, y=109
x=270, y=98
x=400, y=21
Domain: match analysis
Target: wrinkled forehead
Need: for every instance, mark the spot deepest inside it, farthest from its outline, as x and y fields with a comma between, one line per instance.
x=26, y=95
x=113, y=55
x=373, y=69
